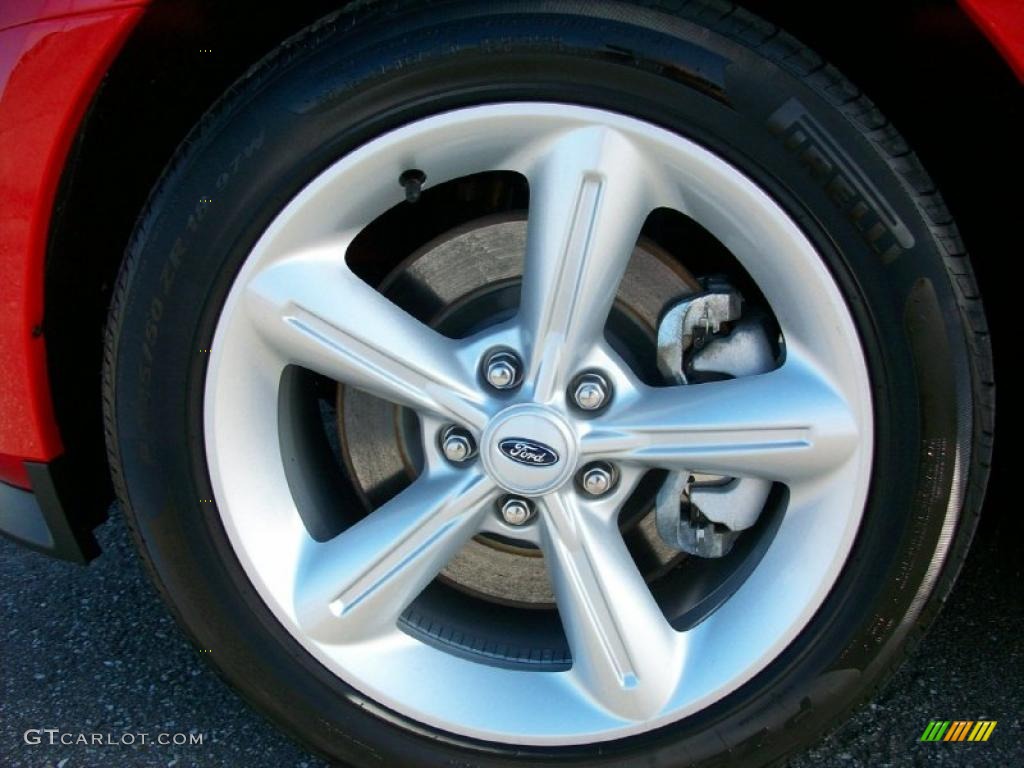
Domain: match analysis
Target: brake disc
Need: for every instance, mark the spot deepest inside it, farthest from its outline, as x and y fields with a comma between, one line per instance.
x=475, y=271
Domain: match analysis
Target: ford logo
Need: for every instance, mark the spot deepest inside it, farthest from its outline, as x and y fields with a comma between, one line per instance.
x=528, y=452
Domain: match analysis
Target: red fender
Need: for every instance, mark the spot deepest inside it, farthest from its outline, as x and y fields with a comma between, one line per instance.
x=53, y=55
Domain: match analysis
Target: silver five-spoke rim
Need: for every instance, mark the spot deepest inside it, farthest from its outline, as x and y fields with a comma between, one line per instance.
x=594, y=177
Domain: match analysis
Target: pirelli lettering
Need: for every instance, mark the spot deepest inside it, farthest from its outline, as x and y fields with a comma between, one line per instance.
x=850, y=189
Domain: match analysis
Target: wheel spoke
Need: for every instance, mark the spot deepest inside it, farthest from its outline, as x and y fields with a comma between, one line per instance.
x=788, y=425
x=316, y=313
x=626, y=657
x=588, y=202
x=356, y=585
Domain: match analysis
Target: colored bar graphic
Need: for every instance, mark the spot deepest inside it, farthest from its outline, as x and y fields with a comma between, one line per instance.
x=935, y=730
x=958, y=730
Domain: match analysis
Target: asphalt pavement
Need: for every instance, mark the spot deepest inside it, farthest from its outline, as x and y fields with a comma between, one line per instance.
x=93, y=651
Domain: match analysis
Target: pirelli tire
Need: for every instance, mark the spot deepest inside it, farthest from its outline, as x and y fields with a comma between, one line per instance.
x=712, y=75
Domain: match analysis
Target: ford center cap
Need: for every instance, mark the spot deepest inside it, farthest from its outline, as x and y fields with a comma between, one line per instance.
x=529, y=450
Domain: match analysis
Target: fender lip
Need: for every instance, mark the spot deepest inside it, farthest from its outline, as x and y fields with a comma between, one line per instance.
x=39, y=519
x=50, y=71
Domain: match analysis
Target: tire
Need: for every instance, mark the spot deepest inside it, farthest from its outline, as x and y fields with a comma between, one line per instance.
x=710, y=72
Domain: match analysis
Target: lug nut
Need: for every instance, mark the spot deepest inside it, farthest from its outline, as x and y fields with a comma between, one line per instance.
x=502, y=370
x=516, y=511
x=591, y=391
x=597, y=479
x=457, y=444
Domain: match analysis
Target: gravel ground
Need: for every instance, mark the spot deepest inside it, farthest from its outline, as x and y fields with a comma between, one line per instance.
x=93, y=650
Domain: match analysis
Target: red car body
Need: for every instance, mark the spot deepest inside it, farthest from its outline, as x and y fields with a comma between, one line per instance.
x=54, y=54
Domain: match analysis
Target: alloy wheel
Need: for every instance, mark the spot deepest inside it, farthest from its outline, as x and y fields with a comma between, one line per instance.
x=594, y=177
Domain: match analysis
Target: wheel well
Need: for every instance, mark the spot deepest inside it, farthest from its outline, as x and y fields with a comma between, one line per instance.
x=180, y=58
x=929, y=69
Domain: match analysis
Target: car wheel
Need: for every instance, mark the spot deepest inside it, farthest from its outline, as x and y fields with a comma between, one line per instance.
x=547, y=383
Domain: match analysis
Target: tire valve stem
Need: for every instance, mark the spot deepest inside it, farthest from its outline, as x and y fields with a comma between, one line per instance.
x=412, y=180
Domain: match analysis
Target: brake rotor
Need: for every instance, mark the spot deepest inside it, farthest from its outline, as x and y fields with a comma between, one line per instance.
x=457, y=283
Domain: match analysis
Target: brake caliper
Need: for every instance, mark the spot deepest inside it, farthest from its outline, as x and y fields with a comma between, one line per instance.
x=705, y=337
